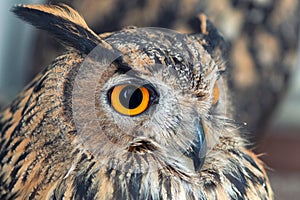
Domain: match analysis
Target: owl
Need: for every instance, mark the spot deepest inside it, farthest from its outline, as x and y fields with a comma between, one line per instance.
x=140, y=113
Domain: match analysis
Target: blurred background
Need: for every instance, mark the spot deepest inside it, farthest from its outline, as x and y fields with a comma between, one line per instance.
x=263, y=55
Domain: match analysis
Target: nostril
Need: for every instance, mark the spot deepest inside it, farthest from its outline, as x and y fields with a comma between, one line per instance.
x=142, y=146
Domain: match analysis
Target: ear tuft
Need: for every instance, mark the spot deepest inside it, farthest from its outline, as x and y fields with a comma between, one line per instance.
x=214, y=42
x=64, y=23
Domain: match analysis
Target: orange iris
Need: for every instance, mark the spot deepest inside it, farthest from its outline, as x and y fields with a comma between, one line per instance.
x=216, y=94
x=129, y=99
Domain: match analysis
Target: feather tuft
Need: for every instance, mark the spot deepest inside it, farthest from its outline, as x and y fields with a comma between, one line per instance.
x=64, y=23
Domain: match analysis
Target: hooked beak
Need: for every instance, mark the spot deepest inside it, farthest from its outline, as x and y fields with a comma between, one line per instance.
x=197, y=151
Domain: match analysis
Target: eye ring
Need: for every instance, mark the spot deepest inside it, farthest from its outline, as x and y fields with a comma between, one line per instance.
x=129, y=99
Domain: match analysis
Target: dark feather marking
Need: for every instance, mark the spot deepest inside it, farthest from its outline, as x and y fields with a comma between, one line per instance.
x=215, y=174
x=245, y=156
x=24, y=154
x=134, y=185
x=122, y=67
x=237, y=178
x=5, y=128
x=83, y=158
x=14, y=177
x=83, y=183
x=118, y=189
x=90, y=167
x=60, y=190
x=3, y=124
x=1, y=145
x=29, y=170
x=17, y=128
x=210, y=187
x=1, y=180
x=15, y=105
x=3, y=154
x=160, y=179
x=108, y=172
x=12, y=196
x=30, y=117
x=251, y=161
x=27, y=104
x=237, y=183
x=8, y=143
x=13, y=148
x=256, y=179
x=27, y=109
x=9, y=159
x=167, y=185
x=34, y=193
x=40, y=84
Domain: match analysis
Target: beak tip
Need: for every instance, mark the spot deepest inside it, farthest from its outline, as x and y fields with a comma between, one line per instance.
x=198, y=149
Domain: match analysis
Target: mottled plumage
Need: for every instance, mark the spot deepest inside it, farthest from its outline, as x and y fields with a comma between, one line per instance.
x=62, y=137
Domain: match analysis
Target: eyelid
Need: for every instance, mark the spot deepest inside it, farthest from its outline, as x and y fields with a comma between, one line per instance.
x=141, y=83
x=129, y=80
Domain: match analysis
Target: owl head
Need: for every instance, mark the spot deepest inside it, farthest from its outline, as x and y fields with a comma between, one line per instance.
x=145, y=98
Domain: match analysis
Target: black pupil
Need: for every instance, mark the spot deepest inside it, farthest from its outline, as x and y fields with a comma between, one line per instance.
x=131, y=97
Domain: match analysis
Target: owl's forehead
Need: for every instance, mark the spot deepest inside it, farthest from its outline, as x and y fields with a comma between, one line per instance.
x=145, y=47
x=178, y=59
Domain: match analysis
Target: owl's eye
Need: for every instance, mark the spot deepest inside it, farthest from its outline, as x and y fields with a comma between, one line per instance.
x=130, y=99
x=216, y=94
